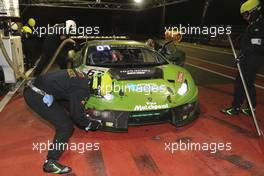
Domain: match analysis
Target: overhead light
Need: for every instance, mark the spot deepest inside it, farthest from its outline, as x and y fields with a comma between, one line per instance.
x=138, y=1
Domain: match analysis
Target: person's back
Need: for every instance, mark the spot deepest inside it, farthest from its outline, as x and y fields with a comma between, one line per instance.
x=49, y=47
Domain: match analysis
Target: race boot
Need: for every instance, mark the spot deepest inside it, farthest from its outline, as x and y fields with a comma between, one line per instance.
x=246, y=111
x=230, y=111
x=52, y=166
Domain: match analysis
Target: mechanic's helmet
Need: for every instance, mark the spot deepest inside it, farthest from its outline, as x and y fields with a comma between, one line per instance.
x=71, y=54
x=14, y=26
x=168, y=35
x=249, y=7
x=27, y=29
x=173, y=35
x=31, y=22
x=70, y=25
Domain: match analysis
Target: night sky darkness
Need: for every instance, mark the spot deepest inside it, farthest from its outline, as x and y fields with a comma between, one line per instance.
x=220, y=12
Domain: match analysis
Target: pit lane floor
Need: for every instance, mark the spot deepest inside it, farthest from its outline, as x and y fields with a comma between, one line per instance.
x=146, y=150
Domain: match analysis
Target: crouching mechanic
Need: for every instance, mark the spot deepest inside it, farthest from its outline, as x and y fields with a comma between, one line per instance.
x=251, y=57
x=44, y=96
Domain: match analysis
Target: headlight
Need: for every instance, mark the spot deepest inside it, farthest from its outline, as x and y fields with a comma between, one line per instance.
x=108, y=96
x=183, y=89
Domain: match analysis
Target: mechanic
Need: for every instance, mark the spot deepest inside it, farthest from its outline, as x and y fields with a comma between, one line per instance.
x=45, y=96
x=153, y=44
x=250, y=57
x=30, y=44
x=51, y=44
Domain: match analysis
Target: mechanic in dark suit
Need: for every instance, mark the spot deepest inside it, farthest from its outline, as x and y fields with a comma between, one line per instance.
x=251, y=57
x=45, y=94
x=51, y=44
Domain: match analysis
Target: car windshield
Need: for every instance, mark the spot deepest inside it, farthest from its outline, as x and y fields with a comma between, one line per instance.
x=111, y=56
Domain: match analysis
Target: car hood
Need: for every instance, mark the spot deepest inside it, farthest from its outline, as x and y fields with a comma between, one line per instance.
x=142, y=89
x=136, y=73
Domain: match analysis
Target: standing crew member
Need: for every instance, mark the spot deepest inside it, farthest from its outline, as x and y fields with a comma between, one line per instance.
x=44, y=96
x=30, y=44
x=251, y=57
x=153, y=44
x=57, y=34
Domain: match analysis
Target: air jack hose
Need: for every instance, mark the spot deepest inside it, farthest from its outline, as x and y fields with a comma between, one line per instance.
x=10, y=62
x=56, y=54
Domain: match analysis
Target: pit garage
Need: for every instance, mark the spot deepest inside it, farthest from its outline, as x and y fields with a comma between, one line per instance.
x=131, y=87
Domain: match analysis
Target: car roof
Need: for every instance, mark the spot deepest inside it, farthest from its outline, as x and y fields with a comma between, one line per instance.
x=129, y=43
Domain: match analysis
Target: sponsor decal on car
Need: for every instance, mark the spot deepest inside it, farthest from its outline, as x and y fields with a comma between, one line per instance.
x=180, y=77
x=150, y=106
x=136, y=72
x=103, y=48
x=92, y=69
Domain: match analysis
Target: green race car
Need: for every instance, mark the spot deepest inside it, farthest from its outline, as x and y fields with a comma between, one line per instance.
x=135, y=85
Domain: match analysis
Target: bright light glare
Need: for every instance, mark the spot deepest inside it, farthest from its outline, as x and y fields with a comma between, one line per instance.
x=108, y=96
x=138, y=1
x=183, y=89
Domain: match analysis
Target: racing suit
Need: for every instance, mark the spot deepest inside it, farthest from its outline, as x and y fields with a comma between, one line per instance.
x=65, y=85
x=50, y=45
x=251, y=59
